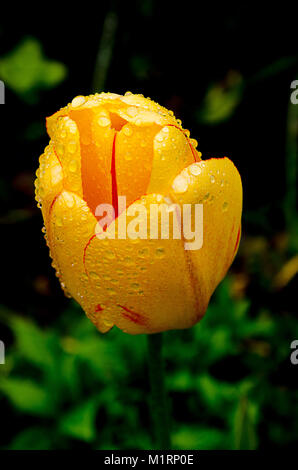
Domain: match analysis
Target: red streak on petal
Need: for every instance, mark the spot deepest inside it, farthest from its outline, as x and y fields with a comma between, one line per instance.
x=133, y=316
x=57, y=156
x=237, y=241
x=98, y=308
x=188, y=141
x=114, y=178
x=53, y=202
x=84, y=253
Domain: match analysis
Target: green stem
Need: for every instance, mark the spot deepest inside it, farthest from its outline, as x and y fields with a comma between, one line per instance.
x=159, y=405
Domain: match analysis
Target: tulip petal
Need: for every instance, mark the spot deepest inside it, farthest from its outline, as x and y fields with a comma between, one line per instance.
x=150, y=287
x=66, y=141
x=133, y=159
x=172, y=152
x=216, y=184
x=96, y=138
x=49, y=181
x=71, y=227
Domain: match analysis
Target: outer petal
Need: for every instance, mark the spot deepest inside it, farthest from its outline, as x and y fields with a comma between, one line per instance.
x=172, y=153
x=148, y=280
x=70, y=228
x=49, y=180
x=216, y=184
x=66, y=144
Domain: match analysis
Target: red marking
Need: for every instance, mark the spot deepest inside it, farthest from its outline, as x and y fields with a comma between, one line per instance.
x=53, y=202
x=188, y=141
x=133, y=316
x=98, y=308
x=237, y=241
x=114, y=179
x=55, y=152
x=84, y=254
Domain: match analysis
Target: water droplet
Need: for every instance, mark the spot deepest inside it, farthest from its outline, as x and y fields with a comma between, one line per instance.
x=111, y=291
x=103, y=121
x=160, y=252
x=127, y=130
x=132, y=111
x=73, y=166
x=78, y=101
x=195, y=169
x=180, y=184
x=94, y=276
x=110, y=255
x=128, y=93
x=225, y=206
x=72, y=146
x=212, y=178
x=128, y=261
x=206, y=196
x=143, y=253
x=159, y=137
x=69, y=200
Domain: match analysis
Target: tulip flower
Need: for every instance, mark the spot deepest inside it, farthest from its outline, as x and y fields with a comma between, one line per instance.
x=107, y=146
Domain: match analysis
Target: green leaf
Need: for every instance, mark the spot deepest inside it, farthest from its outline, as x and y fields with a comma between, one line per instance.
x=199, y=438
x=80, y=422
x=32, y=343
x=25, y=70
x=27, y=396
x=221, y=100
x=245, y=420
x=31, y=439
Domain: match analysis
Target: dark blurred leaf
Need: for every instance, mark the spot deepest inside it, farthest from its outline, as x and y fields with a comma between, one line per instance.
x=192, y=437
x=80, y=422
x=27, y=396
x=32, y=343
x=25, y=70
x=245, y=420
x=221, y=100
x=32, y=439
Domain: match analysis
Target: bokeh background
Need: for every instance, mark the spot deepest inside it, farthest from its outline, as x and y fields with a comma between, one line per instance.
x=226, y=72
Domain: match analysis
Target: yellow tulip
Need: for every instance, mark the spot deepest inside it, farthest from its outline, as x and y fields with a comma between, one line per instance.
x=107, y=145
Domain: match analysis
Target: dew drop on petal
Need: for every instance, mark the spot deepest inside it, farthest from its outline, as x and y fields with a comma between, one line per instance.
x=127, y=131
x=225, y=207
x=73, y=165
x=180, y=184
x=103, y=121
x=195, y=169
x=78, y=101
x=160, y=252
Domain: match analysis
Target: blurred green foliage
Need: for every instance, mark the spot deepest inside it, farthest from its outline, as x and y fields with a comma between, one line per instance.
x=74, y=384
x=26, y=71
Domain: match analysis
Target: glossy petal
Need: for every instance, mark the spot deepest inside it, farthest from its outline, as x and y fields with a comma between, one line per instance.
x=150, y=288
x=216, y=184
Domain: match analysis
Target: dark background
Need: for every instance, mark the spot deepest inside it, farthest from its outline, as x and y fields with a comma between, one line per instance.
x=226, y=72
